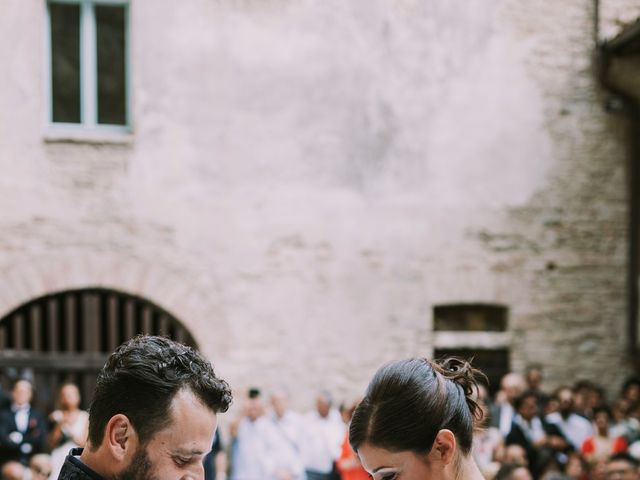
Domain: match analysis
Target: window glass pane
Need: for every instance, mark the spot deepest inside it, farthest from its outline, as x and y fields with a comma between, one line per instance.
x=469, y=317
x=65, y=62
x=110, y=37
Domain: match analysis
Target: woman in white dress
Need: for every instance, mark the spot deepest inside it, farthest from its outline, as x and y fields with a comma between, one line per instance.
x=69, y=426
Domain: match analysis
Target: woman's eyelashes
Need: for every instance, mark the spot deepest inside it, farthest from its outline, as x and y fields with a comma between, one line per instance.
x=389, y=476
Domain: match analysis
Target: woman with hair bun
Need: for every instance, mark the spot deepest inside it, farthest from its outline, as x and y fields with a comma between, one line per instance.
x=416, y=421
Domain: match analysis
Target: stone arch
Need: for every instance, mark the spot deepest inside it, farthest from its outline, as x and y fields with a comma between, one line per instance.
x=188, y=296
x=172, y=290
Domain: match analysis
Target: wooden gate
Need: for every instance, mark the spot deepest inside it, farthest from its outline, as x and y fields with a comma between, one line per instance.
x=67, y=336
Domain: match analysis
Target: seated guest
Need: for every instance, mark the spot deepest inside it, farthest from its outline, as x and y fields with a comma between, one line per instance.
x=253, y=434
x=602, y=444
x=533, y=378
x=69, y=426
x=575, y=428
x=513, y=471
x=502, y=411
x=348, y=463
x=13, y=470
x=215, y=462
x=622, y=466
x=40, y=467
x=322, y=443
x=515, y=454
x=488, y=443
x=23, y=431
x=288, y=436
x=576, y=467
x=528, y=430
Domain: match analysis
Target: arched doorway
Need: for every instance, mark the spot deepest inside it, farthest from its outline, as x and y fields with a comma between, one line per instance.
x=67, y=337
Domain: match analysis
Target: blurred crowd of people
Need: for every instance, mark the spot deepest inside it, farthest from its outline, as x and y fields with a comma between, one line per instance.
x=278, y=443
x=572, y=433
x=526, y=433
x=275, y=443
x=32, y=446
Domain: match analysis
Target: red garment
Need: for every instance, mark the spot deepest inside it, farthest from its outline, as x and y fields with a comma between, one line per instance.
x=590, y=448
x=348, y=463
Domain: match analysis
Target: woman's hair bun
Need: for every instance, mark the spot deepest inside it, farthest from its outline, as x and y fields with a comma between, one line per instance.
x=409, y=401
x=462, y=373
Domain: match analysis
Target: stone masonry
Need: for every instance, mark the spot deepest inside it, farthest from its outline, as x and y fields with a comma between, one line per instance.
x=306, y=179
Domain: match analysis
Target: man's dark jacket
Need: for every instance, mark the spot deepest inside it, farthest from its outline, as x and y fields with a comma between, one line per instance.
x=74, y=469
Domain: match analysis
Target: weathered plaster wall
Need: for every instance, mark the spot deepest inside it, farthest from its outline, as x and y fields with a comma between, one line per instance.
x=306, y=179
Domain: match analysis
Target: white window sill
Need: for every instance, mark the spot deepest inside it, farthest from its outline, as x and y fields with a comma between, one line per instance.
x=479, y=340
x=103, y=135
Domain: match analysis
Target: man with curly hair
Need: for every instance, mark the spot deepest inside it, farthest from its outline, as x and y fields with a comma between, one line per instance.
x=153, y=414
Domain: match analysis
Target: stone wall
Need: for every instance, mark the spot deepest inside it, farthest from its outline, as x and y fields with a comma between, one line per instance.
x=305, y=180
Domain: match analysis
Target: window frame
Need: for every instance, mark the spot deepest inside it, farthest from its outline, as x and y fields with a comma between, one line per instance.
x=480, y=339
x=473, y=340
x=88, y=72
x=496, y=315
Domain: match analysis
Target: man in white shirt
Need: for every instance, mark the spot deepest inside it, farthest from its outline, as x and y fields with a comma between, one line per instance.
x=287, y=442
x=575, y=428
x=540, y=440
x=256, y=448
x=324, y=434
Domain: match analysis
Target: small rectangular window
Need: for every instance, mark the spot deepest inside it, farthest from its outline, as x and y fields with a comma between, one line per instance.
x=88, y=60
x=470, y=318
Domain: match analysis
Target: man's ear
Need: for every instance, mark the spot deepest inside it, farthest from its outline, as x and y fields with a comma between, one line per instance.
x=120, y=437
x=444, y=446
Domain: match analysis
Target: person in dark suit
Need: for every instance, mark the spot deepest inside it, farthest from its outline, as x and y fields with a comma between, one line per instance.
x=5, y=399
x=211, y=461
x=540, y=440
x=23, y=430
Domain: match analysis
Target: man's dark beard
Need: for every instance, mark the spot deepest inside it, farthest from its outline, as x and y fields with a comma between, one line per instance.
x=140, y=468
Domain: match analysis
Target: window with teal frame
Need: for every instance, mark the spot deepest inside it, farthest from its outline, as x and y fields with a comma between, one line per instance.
x=88, y=50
